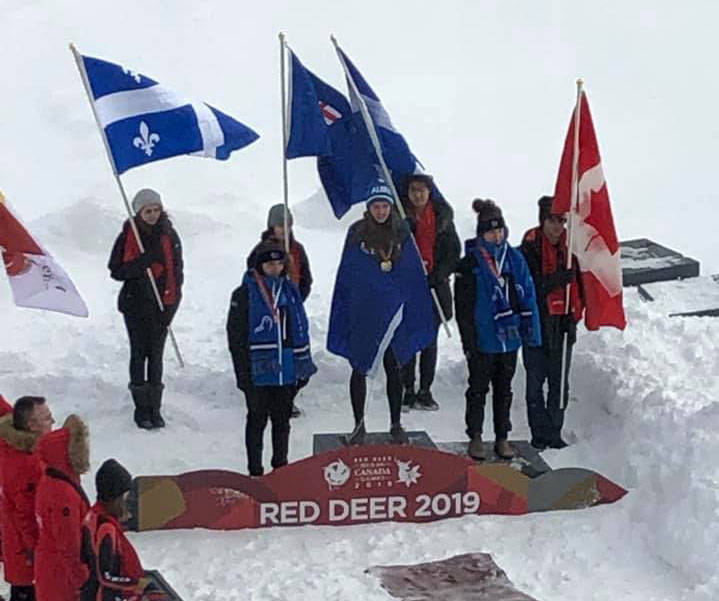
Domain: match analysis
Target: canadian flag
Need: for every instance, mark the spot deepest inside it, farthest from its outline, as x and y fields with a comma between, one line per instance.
x=594, y=239
x=36, y=280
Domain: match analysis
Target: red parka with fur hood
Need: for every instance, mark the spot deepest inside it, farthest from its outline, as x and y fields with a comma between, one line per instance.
x=61, y=505
x=5, y=408
x=20, y=473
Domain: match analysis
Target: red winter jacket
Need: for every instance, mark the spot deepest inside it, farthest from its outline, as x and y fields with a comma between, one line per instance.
x=5, y=408
x=21, y=470
x=60, y=506
x=114, y=566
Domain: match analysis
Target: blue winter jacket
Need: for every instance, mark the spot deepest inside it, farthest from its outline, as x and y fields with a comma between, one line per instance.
x=495, y=315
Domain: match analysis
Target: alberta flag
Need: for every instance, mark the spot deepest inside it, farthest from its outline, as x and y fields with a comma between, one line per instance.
x=400, y=160
x=144, y=121
x=322, y=124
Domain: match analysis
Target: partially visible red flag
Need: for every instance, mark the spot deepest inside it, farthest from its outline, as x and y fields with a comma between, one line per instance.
x=36, y=280
x=594, y=239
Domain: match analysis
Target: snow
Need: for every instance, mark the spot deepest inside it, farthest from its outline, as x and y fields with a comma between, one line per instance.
x=645, y=415
x=483, y=91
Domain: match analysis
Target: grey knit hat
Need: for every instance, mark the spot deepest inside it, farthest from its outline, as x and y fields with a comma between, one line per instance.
x=145, y=197
x=276, y=216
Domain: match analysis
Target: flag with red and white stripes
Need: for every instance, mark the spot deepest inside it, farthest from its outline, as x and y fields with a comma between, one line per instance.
x=594, y=238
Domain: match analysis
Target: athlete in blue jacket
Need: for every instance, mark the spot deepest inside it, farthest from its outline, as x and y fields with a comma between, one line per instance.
x=496, y=309
x=269, y=341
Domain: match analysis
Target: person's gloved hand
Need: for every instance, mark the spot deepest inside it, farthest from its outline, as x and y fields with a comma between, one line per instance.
x=566, y=276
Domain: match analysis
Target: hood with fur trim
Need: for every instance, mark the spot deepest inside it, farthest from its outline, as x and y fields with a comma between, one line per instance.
x=22, y=441
x=66, y=449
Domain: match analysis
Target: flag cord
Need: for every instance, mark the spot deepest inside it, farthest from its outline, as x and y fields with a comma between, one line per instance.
x=572, y=212
x=378, y=151
x=284, y=104
x=133, y=225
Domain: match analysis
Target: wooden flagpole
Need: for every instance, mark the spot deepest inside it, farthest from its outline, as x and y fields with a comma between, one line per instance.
x=388, y=178
x=572, y=213
x=285, y=135
x=86, y=83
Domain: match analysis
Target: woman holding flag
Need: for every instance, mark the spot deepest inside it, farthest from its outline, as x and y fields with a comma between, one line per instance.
x=146, y=323
x=381, y=308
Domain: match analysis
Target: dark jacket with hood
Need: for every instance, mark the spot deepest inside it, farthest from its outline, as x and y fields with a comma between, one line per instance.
x=21, y=471
x=136, y=297
x=60, y=506
x=301, y=266
x=447, y=249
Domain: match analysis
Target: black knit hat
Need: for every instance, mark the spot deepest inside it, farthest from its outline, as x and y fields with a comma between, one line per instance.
x=269, y=251
x=489, y=215
x=545, y=208
x=112, y=481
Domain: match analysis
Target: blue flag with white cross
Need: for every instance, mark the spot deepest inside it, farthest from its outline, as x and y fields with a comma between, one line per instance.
x=145, y=121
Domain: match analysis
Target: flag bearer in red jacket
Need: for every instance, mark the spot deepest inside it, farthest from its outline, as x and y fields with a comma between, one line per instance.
x=60, y=506
x=545, y=249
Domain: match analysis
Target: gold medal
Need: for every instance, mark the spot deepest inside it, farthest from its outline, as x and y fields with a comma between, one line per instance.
x=385, y=266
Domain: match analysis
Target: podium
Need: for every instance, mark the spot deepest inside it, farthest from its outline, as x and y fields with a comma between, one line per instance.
x=344, y=485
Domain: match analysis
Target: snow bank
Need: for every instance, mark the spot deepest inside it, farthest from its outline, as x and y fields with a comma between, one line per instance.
x=646, y=416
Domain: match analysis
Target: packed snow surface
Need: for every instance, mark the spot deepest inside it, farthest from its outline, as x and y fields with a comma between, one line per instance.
x=644, y=413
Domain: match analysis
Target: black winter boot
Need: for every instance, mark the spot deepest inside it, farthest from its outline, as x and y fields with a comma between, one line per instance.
x=140, y=396
x=155, y=404
x=398, y=435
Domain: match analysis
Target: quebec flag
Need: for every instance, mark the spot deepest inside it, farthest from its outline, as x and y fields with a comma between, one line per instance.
x=144, y=121
x=322, y=124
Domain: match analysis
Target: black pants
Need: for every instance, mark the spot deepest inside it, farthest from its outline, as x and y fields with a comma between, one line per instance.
x=358, y=389
x=427, y=368
x=496, y=369
x=147, y=344
x=275, y=403
x=22, y=593
x=544, y=364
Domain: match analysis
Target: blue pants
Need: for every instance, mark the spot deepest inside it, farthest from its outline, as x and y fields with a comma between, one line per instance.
x=545, y=417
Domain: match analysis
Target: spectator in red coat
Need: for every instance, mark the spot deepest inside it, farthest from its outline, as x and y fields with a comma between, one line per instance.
x=114, y=567
x=21, y=471
x=5, y=408
x=60, y=507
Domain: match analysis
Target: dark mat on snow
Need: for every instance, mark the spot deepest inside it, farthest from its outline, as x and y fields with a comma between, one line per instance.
x=527, y=460
x=159, y=589
x=469, y=577
x=644, y=261
x=321, y=443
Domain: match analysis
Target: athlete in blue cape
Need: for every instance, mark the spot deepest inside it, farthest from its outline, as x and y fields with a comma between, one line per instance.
x=381, y=308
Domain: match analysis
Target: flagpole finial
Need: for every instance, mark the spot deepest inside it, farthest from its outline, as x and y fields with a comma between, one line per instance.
x=282, y=36
x=333, y=38
x=580, y=82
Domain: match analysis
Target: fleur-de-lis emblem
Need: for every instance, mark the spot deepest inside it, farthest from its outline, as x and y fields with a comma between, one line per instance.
x=146, y=140
x=134, y=74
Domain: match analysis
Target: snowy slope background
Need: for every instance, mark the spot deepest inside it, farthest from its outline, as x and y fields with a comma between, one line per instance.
x=490, y=91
